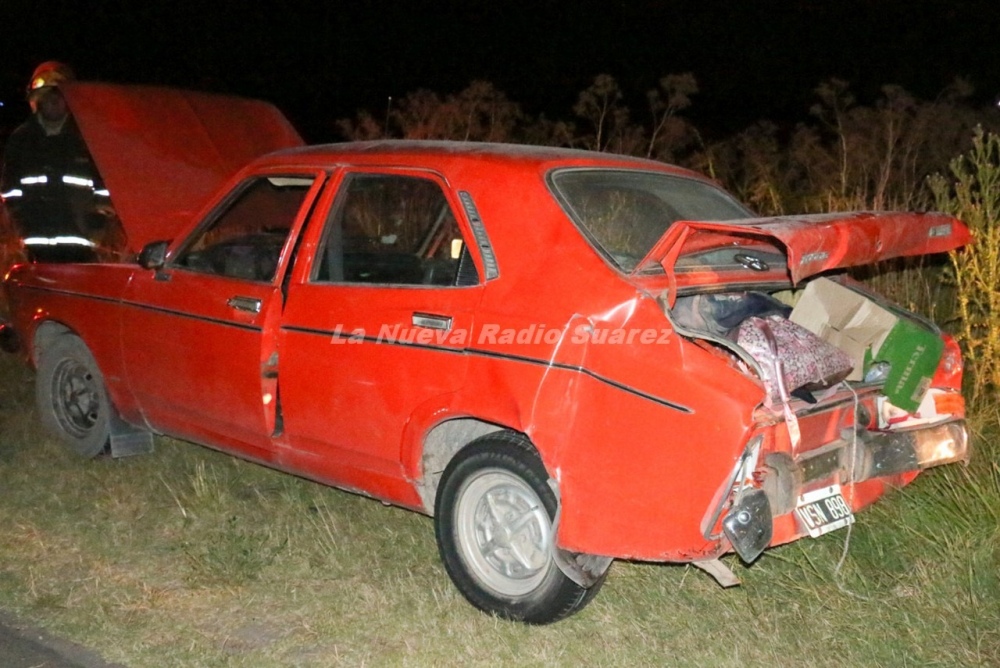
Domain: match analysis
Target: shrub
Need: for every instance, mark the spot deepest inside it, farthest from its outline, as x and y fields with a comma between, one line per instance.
x=972, y=194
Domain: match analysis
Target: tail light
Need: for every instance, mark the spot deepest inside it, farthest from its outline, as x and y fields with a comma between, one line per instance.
x=949, y=371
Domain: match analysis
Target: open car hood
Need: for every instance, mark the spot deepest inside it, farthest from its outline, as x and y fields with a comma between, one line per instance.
x=813, y=243
x=163, y=152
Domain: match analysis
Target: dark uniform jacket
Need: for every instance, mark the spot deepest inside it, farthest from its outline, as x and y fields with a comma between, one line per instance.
x=48, y=181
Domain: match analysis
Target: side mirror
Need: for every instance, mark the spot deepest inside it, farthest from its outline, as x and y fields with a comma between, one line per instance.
x=153, y=254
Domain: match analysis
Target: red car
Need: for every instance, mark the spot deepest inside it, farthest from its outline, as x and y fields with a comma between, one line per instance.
x=550, y=352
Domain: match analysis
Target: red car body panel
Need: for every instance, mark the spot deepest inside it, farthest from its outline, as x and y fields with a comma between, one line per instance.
x=820, y=242
x=639, y=426
x=190, y=144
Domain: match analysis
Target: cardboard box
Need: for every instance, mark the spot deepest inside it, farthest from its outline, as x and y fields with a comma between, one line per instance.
x=870, y=333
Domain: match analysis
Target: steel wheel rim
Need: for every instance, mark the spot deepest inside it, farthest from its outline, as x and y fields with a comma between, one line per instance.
x=504, y=532
x=76, y=398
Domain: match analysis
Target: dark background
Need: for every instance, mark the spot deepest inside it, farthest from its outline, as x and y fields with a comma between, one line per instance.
x=319, y=61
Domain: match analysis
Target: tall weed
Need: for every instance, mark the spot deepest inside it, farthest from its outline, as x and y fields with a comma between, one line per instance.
x=972, y=194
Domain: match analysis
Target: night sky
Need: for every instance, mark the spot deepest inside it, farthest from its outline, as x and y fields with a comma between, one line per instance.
x=319, y=61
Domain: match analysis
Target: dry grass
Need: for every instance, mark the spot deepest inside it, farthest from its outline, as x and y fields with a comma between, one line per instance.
x=189, y=557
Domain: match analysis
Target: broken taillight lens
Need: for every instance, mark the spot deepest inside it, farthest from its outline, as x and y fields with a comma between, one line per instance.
x=949, y=371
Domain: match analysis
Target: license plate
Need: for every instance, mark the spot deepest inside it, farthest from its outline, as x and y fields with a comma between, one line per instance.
x=823, y=510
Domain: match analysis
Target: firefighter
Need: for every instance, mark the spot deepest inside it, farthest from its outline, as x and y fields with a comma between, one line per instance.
x=49, y=184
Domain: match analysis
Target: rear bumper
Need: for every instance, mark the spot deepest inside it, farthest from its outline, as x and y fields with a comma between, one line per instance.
x=862, y=456
x=866, y=468
x=865, y=464
x=892, y=453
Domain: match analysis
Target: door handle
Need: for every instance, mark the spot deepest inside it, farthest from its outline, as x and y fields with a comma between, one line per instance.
x=248, y=304
x=431, y=321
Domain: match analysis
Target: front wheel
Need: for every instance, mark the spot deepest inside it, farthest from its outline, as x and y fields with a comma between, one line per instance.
x=71, y=398
x=494, y=525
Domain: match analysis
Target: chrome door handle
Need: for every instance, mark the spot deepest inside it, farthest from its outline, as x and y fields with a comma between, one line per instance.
x=431, y=321
x=248, y=304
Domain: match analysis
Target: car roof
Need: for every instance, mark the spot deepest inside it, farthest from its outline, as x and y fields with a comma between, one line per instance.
x=438, y=151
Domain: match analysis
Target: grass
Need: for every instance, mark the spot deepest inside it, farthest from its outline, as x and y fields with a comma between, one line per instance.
x=188, y=557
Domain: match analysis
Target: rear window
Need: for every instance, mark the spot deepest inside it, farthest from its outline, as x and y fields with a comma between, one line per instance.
x=623, y=213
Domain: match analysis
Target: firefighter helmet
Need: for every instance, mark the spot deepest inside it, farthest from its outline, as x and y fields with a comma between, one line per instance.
x=50, y=74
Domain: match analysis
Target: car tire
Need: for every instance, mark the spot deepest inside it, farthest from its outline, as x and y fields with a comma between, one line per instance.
x=71, y=397
x=494, y=516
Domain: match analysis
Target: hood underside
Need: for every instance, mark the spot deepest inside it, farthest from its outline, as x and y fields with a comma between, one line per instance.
x=164, y=152
x=811, y=244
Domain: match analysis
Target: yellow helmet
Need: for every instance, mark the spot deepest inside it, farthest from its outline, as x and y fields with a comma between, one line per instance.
x=50, y=74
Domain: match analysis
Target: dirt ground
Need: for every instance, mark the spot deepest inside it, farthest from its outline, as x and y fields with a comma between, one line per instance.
x=22, y=646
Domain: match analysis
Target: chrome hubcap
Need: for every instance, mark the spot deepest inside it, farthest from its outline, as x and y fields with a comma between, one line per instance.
x=504, y=532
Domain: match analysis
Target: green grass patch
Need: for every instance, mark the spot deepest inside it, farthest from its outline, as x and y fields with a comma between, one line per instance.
x=190, y=557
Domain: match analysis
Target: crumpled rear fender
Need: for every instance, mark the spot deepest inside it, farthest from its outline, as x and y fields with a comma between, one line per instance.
x=639, y=436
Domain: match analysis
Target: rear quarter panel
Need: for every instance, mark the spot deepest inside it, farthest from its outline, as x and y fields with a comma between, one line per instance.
x=640, y=436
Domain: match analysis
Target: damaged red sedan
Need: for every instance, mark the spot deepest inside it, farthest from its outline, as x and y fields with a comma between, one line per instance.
x=563, y=357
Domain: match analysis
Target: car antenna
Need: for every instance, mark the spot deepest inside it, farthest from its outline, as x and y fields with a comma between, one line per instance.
x=385, y=127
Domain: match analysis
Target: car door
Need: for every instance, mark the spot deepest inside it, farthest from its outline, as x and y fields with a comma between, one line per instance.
x=199, y=333
x=373, y=339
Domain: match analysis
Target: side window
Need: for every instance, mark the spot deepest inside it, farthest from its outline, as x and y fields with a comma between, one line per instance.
x=245, y=239
x=393, y=229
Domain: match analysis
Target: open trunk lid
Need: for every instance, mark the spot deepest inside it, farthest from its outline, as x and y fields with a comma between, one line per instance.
x=163, y=152
x=713, y=253
x=730, y=285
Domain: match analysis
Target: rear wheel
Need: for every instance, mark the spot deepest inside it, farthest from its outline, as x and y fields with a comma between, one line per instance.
x=71, y=397
x=494, y=525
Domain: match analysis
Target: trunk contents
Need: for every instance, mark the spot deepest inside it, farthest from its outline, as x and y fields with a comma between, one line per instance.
x=832, y=334
x=881, y=344
x=826, y=423
x=792, y=359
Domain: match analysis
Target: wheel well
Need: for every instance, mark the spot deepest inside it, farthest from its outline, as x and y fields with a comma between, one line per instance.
x=440, y=445
x=44, y=335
